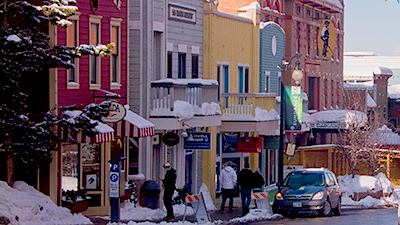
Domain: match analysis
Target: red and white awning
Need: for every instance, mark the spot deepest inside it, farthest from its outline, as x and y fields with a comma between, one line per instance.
x=104, y=133
x=81, y=137
x=133, y=125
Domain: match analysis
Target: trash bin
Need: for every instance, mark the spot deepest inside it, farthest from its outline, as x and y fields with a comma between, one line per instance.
x=150, y=194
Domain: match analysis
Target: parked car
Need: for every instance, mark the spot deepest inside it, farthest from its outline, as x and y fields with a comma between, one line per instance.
x=308, y=191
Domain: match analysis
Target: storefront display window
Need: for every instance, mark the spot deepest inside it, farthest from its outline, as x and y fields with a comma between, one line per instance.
x=91, y=166
x=69, y=167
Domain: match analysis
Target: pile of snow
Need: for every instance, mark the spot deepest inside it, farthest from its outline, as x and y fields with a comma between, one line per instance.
x=387, y=186
x=350, y=186
x=264, y=115
x=23, y=204
x=184, y=110
x=207, y=198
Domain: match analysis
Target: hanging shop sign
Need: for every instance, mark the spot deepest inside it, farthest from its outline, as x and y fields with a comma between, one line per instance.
x=197, y=140
x=326, y=39
x=117, y=112
x=290, y=150
x=170, y=139
x=293, y=107
x=250, y=144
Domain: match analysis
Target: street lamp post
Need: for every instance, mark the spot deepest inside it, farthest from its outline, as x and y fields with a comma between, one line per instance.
x=297, y=75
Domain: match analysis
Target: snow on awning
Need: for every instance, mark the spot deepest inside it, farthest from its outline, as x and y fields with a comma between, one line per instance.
x=104, y=133
x=133, y=125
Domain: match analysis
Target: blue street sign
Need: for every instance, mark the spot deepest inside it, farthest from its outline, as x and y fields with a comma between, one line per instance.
x=198, y=140
x=115, y=167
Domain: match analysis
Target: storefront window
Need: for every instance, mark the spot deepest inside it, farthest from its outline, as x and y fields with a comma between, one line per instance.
x=91, y=165
x=229, y=142
x=69, y=167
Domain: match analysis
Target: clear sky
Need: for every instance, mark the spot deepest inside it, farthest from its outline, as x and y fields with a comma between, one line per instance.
x=372, y=26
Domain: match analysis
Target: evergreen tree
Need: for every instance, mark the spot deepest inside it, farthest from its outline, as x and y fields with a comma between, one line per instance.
x=25, y=51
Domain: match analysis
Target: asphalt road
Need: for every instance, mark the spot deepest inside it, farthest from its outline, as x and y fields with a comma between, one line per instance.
x=387, y=216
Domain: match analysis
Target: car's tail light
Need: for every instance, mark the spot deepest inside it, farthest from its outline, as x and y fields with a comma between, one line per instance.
x=318, y=195
x=279, y=196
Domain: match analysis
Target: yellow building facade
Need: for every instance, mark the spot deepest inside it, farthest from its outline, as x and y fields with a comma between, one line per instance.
x=231, y=56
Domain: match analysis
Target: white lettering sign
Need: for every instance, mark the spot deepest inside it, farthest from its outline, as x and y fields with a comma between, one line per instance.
x=182, y=14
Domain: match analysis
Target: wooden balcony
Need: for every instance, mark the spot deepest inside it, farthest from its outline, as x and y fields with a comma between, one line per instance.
x=242, y=106
x=194, y=91
x=240, y=113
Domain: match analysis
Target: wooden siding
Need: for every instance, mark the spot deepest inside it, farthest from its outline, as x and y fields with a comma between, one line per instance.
x=187, y=34
x=159, y=10
x=235, y=40
x=83, y=95
x=269, y=62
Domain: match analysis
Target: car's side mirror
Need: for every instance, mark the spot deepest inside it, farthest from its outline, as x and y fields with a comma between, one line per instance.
x=278, y=184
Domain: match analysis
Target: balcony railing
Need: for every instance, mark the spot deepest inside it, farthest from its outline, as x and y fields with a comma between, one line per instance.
x=194, y=91
x=242, y=106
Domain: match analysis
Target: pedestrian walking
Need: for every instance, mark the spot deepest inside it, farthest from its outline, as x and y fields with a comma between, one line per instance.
x=228, y=180
x=258, y=181
x=169, y=189
x=246, y=183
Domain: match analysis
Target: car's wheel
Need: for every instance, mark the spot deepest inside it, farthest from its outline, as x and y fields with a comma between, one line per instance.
x=326, y=209
x=338, y=209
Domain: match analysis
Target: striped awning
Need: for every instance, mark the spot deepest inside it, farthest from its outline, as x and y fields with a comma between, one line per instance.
x=82, y=137
x=104, y=133
x=133, y=125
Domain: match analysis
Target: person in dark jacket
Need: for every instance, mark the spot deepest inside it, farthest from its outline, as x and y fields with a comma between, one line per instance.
x=245, y=180
x=169, y=189
x=258, y=181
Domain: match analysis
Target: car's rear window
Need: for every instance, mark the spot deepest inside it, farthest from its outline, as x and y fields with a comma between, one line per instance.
x=304, y=179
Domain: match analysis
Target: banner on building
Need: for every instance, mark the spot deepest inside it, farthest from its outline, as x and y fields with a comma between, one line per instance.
x=326, y=40
x=293, y=107
x=250, y=144
x=197, y=140
x=230, y=142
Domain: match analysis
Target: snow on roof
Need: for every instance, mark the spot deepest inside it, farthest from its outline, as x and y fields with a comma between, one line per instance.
x=341, y=116
x=386, y=136
x=363, y=66
x=383, y=70
x=186, y=81
x=137, y=120
x=359, y=54
x=370, y=102
x=265, y=24
x=334, y=3
x=253, y=5
x=394, y=91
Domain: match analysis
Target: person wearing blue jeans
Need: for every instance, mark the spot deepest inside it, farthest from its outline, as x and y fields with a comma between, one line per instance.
x=246, y=184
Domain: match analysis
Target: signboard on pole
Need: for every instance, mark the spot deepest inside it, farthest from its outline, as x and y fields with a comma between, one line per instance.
x=197, y=140
x=293, y=107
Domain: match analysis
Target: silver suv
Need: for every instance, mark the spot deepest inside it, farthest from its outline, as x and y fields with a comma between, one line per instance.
x=308, y=191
